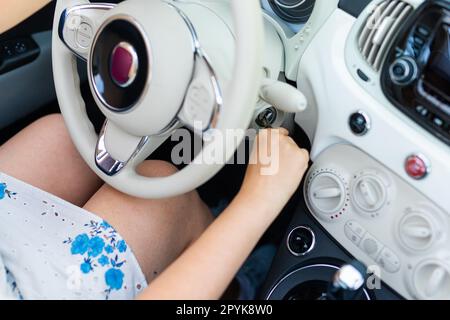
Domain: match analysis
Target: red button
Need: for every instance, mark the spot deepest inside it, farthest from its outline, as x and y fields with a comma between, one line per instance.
x=123, y=65
x=416, y=167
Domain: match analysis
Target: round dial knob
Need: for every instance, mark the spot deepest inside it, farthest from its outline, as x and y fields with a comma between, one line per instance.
x=431, y=280
x=327, y=194
x=369, y=194
x=418, y=230
x=403, y=71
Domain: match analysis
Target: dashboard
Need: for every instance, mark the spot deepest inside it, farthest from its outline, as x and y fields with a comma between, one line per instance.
x=385, y=166
x=376, y=75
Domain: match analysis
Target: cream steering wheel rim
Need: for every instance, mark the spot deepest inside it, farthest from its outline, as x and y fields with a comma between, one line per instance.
x=237, y=111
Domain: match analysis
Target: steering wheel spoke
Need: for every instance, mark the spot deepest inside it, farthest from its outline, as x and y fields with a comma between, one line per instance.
x=117, y=149
x=78, y=25
x=203, y=101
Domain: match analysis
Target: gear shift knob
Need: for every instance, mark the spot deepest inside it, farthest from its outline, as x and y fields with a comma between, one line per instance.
x=348, y=282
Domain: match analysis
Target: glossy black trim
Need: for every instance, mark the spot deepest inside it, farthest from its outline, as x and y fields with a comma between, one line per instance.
x=116, y=98
x=425, y=24
x=353, y=7
x=16, y=53
x=300, y=14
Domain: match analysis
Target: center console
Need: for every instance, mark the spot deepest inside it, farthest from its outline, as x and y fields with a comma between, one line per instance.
x=416, y=74
x=354, y=208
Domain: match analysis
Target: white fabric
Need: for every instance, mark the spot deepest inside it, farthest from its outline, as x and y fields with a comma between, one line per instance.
x=5, y=288
x=55, y=250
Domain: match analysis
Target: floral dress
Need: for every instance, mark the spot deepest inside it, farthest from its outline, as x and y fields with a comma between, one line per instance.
x=51, y=249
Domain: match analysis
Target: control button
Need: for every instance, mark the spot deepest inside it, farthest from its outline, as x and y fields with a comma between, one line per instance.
x=369, y=193
x=353, y=237
x=371, y=246
x=8, y=50
x=362, y=75
x=356, y=228
x=431, y=280
x=301, y=241
x=389, y=261
x=421, y=110
x=20, y=47
x=327, y=195
x=424, y=32
x=417, y=167
x=403, y=71
x=354, y=232
x=419, y=229
x=420, y=42
x=84, y=35
x=359, y=123
x=438, y=122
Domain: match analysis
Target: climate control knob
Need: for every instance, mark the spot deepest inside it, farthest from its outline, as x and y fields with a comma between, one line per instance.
x=370, y=193
x=327, y=194
x=431, y=280
x=420, y=228
x=403, y=71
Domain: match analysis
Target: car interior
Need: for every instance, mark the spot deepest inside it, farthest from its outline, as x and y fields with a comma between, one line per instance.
x=364, y=85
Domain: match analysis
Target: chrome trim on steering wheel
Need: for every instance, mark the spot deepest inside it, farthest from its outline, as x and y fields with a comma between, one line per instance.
x=201, y=57
x=105, y=162
x=66, y=13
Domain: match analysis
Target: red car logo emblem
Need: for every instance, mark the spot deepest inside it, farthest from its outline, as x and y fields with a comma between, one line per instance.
x=124, y=64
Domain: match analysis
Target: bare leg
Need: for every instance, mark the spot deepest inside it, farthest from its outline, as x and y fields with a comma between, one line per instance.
x=44, y=156
x=158, y=231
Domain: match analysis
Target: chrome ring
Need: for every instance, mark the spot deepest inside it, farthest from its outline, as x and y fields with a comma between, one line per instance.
x=313, y=243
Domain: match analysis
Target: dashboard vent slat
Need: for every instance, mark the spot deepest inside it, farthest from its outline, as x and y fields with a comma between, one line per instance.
x=380, y=28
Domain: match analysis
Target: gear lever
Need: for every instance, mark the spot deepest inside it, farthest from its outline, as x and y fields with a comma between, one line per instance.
x=348, y=282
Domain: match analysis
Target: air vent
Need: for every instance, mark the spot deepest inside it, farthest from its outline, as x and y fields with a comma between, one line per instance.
x=380, y=28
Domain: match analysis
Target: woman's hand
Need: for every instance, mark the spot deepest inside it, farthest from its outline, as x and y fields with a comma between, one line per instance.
x=276, y=168
x=206, y=268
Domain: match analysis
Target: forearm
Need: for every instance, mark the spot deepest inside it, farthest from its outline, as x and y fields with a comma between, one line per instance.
x=15, y=11
x=207, y=268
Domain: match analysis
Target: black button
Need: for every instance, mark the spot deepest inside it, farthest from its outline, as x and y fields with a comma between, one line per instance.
x=20, y=47
x=399, y=70
x=359, y=123
x=362, y=75
x=301, y=241
x=422, y=111
x=438, y=122
x=423, y=31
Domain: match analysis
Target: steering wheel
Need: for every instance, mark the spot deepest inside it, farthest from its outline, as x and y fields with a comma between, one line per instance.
x=149, y=74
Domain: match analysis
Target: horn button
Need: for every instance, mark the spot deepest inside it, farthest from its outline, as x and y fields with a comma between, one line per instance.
x=119, y=65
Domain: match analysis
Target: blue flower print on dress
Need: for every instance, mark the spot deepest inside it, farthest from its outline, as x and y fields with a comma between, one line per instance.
x=122, y=246
x=109, y=249
x=96, y=246
x=114, y=278
x=2, y=190
x=80, y=245
x=101, y=247
x=86, y=267
x=5, y=192
x=104, y=260
x=105, y=225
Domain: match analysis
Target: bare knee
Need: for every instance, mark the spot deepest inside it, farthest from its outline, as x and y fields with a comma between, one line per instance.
x=52, y=127
x=51, y=122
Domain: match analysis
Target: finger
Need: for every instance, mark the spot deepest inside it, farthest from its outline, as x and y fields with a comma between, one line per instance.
x=283, y=131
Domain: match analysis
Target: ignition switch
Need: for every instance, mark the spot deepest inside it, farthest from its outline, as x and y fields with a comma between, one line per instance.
x=267, y=117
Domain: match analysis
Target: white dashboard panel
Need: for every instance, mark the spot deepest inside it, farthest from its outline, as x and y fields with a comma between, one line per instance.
x=334, y=94
x=327, y=77
x=396, y=228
